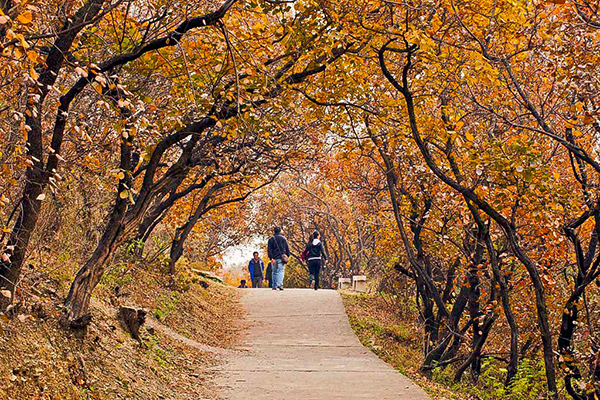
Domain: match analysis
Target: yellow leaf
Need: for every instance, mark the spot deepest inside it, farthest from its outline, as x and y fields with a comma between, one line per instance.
x=22, y=40
x=124, y=194
x=34, y=75
x=97, y=87
x=32, y=56
x=25, y=18
x=469, y=136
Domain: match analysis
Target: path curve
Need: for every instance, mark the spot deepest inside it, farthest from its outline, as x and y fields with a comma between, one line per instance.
x=165, y=330
x=299, y=345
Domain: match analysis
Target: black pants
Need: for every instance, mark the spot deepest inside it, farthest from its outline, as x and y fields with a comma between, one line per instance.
x=314, y=268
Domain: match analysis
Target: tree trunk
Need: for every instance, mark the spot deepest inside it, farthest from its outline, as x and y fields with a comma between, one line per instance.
x=36, y=176
x=453, y=337
x=182, y=233
x=508, y=313
x=158, y=211
x=476, y=352
x=25, y=223
x=474, y=305
x=507, y=227
x=78, y=300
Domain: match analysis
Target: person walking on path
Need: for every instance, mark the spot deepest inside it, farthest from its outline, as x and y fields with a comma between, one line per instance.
x=269, y=275
x=257, y=270
x=279, y=253
x=316, y=258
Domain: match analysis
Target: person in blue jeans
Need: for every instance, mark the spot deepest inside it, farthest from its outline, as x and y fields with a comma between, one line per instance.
x=279, y=253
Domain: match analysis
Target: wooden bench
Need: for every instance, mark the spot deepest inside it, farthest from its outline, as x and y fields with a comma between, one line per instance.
x=359, y=283
x=344, y=283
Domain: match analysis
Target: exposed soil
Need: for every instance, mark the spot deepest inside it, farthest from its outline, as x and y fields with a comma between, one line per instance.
x=41, y=360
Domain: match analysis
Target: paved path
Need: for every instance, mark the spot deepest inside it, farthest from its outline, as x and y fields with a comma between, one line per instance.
x=300, y=346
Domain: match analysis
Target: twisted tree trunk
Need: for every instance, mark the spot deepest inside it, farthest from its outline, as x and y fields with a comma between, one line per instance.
x=78, y=298
x=37, y=175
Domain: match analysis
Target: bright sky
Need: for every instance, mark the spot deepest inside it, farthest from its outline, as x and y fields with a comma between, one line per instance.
x=238, y=256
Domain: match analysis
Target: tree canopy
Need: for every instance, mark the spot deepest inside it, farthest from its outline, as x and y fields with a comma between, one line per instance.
x=447, y=148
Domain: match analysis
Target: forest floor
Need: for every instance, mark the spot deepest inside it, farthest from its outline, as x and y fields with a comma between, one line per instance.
x=394, y=339
x=187, y=328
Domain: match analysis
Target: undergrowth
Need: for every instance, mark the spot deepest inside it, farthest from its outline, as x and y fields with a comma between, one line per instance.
x=396, y=338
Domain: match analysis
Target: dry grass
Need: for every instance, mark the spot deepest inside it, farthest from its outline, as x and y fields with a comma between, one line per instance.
x=40, y=360
x=393, y=338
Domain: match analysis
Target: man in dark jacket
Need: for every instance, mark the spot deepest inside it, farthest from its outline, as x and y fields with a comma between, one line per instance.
x=279, y=252
x=256, y=267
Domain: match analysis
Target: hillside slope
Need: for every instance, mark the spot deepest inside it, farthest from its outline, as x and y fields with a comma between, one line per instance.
x=41, y=360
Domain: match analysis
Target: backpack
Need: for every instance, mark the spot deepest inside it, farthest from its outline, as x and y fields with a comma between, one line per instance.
x=304, y=255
